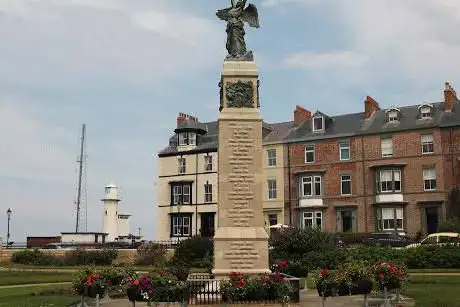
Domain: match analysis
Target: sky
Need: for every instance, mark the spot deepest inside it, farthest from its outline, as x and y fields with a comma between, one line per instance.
x=126, y=68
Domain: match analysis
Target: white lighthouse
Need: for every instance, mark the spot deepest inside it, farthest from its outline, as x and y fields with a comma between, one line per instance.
x=110, y=221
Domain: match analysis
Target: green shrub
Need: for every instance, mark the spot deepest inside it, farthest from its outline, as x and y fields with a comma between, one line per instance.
x=433, y=257
x=294, y=244
x=374, y=254
x=35, y=257
x=329, y=257
x=151, y=254
x=194, y=252
x=90, y=257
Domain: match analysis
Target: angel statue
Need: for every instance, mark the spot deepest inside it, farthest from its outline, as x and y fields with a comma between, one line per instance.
x=235, y=16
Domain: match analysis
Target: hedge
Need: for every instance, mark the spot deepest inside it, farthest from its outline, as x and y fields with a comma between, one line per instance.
x=73, y=257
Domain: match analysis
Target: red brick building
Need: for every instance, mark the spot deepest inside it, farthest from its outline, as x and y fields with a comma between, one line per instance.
x=379, y=170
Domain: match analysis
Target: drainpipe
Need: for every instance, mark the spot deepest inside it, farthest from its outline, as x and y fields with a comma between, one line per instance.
x=364, y=184
x=196, y=195
x=289, y=181
x=452, y=152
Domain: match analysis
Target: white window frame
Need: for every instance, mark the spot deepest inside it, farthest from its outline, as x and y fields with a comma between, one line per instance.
x=386, y=147
x=191, y=138
x=208, y=163
x=271, y=157
x=425, y=112
x=387, y=216
x=186, y=191
x=342, y=180
x=208, y=192
x=427, y=141
x=322, y=123
x=181, y=222
x=182, y=166
x=393, y=116
x=312, y=180
x=310, y=148
x=313, y=216
x=429, y=178
x=177, y=194
x=272, y=193
x=394, y=174
x=344, y=145
x=183, y=139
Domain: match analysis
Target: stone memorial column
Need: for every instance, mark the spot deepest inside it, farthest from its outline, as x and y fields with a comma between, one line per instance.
x=240, y=242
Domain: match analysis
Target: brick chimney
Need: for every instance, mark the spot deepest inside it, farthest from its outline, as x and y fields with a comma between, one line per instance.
x=370, y=107
x=183, y=116
x=450, y=97
x=300, y=115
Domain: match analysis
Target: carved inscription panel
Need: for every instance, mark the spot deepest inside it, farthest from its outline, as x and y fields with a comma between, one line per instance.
x=242, y=181
x=241, y=255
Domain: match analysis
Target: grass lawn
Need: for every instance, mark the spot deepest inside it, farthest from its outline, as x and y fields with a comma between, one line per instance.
x=39, y=296
x=434, y=291
x=20, y=278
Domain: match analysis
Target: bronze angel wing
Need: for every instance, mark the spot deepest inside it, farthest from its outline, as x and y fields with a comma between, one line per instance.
x=251, y=16
x=223, y=14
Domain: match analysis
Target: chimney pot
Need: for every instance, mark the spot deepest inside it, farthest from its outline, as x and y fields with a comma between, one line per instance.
x=450, y=97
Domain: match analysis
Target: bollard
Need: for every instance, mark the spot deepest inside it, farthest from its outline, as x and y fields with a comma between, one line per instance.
x=82, y=301
x=97, y=300
x=323, y=299
x=385, y=295
x=365, y=301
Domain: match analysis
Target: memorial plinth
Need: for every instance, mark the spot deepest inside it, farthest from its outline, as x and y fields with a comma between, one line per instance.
x=240, y=242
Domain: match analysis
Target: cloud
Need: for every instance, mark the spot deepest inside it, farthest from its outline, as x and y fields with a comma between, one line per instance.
x=328, y=60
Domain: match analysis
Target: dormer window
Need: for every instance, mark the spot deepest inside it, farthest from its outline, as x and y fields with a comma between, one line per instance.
x=187, y=138
x=426, y=111
x=393, y=114
x=318, y=123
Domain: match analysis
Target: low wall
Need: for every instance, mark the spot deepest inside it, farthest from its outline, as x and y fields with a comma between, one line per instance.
x=124, y=255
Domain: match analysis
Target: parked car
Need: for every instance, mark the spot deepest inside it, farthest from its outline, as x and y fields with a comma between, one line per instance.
x=390, y=239
x=440, y=238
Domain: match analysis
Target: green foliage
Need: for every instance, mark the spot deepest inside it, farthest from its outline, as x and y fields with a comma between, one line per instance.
x=195, y=252
x=35, y=257
x=374, y=254
x=432, y=257
x=90, y=257
x=151, y=254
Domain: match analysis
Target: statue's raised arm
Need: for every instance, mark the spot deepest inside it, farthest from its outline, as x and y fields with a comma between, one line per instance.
x=235, y=16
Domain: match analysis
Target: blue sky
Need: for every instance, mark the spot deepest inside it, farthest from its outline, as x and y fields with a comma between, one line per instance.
x=127, y=67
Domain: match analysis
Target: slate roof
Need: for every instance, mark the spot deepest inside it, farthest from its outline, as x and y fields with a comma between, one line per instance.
x=339, y=126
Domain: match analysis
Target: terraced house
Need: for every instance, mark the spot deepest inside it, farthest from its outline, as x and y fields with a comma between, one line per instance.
x=187, y=179
x=378, y=170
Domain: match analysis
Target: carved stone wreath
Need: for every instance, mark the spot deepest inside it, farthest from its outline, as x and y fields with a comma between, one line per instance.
x=240, y=94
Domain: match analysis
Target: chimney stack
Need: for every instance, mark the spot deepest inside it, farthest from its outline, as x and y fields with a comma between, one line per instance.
x=370, y=107
x=300, y=115
x=183, y=116
x=450, y=97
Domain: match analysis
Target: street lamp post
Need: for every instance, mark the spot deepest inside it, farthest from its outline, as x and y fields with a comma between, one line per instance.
x=180, y=220
x=8, y=213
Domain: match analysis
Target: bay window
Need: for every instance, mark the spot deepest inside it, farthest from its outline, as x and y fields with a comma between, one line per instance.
x=388, y=181
x=310, y=186
x=390, y=219
x=312, y=219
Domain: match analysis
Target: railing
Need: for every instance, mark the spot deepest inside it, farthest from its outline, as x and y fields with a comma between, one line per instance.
x=204, y=291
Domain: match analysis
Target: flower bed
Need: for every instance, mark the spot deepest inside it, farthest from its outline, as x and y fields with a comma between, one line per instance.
x=267, y=287
x=359, y=278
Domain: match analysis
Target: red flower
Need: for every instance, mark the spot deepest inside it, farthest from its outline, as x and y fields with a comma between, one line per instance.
x=241, y=283
x=324, y=272
x=136, y=282
x=262, y=279
x=282, y=264
x=382, y=275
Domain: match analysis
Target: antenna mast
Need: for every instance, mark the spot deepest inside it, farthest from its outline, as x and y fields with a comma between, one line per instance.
x=80, y=163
